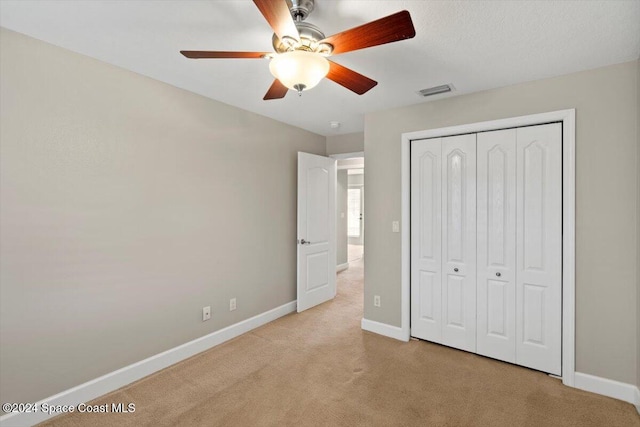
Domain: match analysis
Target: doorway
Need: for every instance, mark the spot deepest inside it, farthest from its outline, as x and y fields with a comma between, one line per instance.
x=355, y=213
x=350, y=218
x=350, y=214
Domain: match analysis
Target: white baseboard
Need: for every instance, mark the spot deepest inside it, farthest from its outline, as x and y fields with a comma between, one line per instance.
x=116, y=379
x=384, y=329
x=342, y=267
x=618, y=390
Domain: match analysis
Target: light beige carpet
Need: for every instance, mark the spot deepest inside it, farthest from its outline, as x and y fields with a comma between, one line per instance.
x=355, y=252
x=318, y=368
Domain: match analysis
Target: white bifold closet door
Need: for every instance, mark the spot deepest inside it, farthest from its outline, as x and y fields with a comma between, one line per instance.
x=539, y=248
x=497, y=244
x=505, y=207
x=426, y=247
x=459, y=242
x=443, y=240
x=519, y=246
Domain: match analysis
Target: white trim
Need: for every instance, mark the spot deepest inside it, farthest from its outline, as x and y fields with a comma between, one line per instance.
x=567, y=117
x=353, y=170
x=405, y=237
x=342, y=267
x=342, y=156
x=121, y=377
x=383, y=329
x=568, y=246
x=616, y=389
x=534, y=119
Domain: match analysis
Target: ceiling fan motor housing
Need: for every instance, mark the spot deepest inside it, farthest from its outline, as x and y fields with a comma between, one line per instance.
x=310, y=35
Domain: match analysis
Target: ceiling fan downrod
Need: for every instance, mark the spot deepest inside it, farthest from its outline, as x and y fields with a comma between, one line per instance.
x=300, y=9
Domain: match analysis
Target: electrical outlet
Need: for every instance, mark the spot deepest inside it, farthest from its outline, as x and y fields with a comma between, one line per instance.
x=206, y=313
x=395, y=226
x=376, y=300
x=232, y=304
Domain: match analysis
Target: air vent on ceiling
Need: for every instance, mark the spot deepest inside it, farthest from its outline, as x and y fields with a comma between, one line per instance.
x=435, y=90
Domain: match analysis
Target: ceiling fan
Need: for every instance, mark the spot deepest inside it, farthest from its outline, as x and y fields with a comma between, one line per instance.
x=301, y=49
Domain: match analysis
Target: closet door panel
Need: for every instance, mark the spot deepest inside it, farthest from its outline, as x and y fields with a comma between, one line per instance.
x=496, y=244
x=459, y=241
x=426, y=249
x=539, y=248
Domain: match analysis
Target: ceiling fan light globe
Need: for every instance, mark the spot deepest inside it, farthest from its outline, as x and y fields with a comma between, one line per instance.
x=299, y=69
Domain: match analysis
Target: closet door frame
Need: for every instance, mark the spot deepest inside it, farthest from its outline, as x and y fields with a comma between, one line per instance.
x=567, y=118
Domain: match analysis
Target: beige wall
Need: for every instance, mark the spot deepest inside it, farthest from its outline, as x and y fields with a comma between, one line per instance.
x=606, y=106
x=342, y=252
x=347, y=143
x=128, y=205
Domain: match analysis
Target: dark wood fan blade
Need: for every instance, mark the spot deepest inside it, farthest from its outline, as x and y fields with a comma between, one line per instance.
x=276, y=91
x=390, y=29
x=277, y=14
x=348, y=78
x=201, y=54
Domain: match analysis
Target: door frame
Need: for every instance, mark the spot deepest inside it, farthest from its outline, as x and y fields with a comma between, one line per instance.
x=342, y=156
x=568, y=120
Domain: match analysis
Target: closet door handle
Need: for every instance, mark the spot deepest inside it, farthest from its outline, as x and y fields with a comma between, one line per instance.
x=455, y=269
x=498, y=274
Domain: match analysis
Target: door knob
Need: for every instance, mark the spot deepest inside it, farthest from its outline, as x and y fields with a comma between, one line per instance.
x=304, y=242
x=455, y=269
x=498, y=274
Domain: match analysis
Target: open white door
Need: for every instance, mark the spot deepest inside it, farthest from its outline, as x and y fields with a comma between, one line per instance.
x=316, y=230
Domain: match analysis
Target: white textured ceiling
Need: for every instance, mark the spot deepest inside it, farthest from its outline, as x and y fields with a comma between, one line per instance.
x=475, y=45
